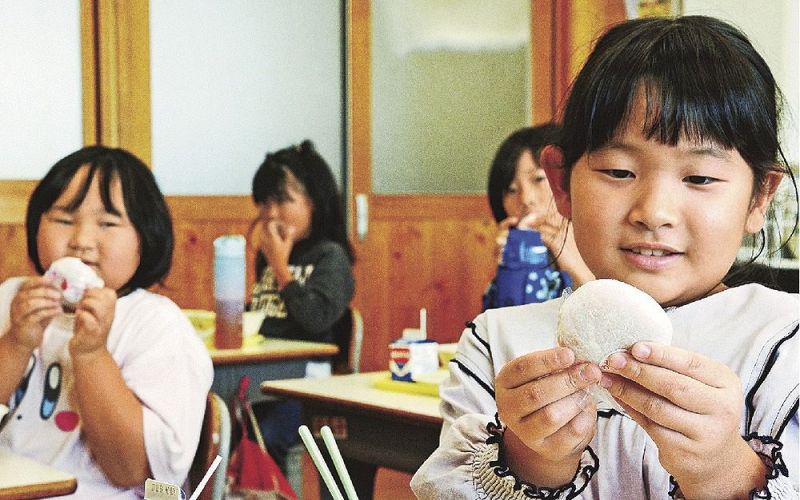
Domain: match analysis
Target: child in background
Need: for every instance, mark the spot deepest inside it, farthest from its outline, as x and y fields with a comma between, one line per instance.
x=669, y=157
x=520, y=198
x=121, y=397
x=304, y=272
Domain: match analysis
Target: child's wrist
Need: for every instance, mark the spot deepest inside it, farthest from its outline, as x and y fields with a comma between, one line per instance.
x=87, y=357
x=738, y=475
x=15, y=346
x=535, y=468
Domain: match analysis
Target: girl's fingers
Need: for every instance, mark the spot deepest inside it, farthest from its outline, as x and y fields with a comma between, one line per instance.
x=579, y=430
x=38, y=288
x=701, y=368
x=508, y=222
x=659, y=431
x=534, y=365
x=670, y=386
x=651, y=408
x=290, y=232
x=540, y=394
x=530, y=221
x=99, y=303
x=36, y=306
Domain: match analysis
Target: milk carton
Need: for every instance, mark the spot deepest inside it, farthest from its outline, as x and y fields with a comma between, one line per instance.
x=413, y=354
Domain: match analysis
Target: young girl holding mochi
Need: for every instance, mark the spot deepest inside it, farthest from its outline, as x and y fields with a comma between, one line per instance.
x=669, y=157
x=118, y=395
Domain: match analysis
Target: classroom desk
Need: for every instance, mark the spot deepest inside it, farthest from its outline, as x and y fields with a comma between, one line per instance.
x=268, y=360
x=382, y=428
x=23, y=478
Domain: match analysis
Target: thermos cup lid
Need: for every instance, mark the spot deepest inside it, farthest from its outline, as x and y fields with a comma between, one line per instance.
x=230, y=245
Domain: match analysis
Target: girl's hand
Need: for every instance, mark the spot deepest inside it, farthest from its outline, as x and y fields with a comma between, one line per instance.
x=551, y=225
x=549, y=416
x=502, y=235
x=690, y=405
x=277, y=240
x=36, y=303
x=93, y=317
x=559, y=239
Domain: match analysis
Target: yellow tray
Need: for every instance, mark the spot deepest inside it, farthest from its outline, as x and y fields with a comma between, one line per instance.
x=386, y=383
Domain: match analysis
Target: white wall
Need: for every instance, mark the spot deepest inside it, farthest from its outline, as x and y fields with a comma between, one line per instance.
x=40, y=86
x=234, y=79
x=772, y=26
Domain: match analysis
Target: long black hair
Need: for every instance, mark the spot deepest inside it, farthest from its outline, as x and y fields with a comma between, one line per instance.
x=314, y=174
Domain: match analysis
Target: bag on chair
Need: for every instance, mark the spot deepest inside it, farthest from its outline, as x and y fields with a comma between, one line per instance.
x=252, y=472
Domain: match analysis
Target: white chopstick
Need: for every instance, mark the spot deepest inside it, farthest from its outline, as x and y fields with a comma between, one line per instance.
x=322, y=467
x=338, y=462
x=205, y=479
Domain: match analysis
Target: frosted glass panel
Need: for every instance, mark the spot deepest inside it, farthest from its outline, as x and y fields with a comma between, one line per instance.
x=233, y=79
x=450, y=80
x=40, y=86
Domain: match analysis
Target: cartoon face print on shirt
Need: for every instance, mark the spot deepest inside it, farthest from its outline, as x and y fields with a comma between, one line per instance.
x=53, y=382
x=52, y=389
x=23, y=384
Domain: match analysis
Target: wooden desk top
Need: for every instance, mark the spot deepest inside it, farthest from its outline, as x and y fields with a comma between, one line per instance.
x=22, y=477
x=356, y=391
x=272, y=349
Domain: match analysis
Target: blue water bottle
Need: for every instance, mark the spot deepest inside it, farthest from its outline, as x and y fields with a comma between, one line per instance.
x=229, y=290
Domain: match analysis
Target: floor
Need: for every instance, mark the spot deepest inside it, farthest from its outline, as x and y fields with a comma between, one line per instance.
x=389, y=484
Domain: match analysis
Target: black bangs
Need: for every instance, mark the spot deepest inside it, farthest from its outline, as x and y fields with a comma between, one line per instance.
x=269, y=183
x=105, y=174
x=701, y=80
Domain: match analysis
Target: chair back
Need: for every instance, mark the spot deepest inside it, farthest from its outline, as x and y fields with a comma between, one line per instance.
x=215, y=439
x=348, y=334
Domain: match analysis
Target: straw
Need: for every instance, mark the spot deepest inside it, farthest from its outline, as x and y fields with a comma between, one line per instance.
x=322, y=467
x=205, y=479
x=338, y=462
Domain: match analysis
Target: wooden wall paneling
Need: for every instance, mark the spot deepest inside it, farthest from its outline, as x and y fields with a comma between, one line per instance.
x=123, y=76
x=410, y=273
x=359, y=92
x=198, y=220
x=14, y=197
x=133, y=69
x=89, y=75
x=562, y=35
x=587, y=20
x=15, y=255
x=423, y=251
x=543, y=98
x=373, y=260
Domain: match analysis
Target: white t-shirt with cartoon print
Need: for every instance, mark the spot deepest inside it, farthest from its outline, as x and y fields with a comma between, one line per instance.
x=162, y=361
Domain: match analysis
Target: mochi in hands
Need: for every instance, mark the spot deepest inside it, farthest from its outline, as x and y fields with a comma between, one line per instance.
x=73, y=278
x=606, y=316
